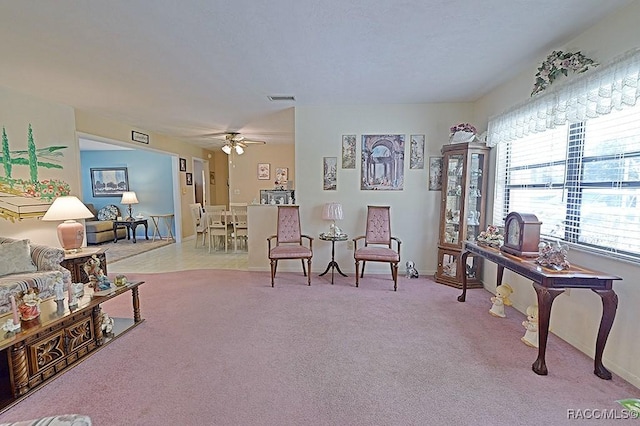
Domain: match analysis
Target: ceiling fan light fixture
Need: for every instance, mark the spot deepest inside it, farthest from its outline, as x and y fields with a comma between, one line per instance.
x=239, y=150
x=226, y=149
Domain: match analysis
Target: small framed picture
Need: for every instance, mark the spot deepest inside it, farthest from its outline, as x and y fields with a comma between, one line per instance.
x=435, y=173
x=183, y=164
x=189, y=179
x=282, y=175
x=416, y=154
x=348, y=151
x=139, y=137
x=329, y=173
x=264, y=171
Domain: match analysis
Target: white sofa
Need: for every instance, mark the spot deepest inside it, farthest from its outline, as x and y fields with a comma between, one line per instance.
x=24, y=265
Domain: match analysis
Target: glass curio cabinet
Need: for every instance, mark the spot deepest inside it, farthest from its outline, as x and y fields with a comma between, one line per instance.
x=462, y=211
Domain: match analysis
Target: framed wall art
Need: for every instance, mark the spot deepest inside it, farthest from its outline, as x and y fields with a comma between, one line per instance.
x=282, y=175
x=264, y=172
x=330, y=173
x=348, y=151
x=416, y=152
x=435, y=173
x=189, y=179
x=139, y=137
x=183, y=164
x=109, y=181
x=382, y=162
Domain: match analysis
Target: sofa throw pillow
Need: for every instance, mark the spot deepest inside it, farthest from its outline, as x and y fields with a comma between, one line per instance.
x=109, y=212
x=15, y=258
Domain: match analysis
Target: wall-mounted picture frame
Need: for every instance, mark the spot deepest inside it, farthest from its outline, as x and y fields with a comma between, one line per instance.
x=109, y=181
x=212, y=178
x=349, y=151
x=435, y=173
x=330, y=173
x=183, y=164
x=382, y=162
x=282, y=175
x=139, y=137
x=264, y=171
x=416, y=152
x=189, y=178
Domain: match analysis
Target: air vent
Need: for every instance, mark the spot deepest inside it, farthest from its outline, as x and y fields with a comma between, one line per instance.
x=278, y=98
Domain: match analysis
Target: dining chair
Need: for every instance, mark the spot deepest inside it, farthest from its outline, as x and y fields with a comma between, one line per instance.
x=240, y=227
x=377, y=243
x=199, y=223
x=217, y=224
x=288, y=241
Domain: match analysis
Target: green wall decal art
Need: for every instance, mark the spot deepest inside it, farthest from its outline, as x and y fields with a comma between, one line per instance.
x=16, y=193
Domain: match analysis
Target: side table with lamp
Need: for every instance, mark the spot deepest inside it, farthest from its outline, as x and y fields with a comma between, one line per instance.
x=333, y=212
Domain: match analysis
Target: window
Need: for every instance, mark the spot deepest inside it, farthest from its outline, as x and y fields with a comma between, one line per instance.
x=581, y=180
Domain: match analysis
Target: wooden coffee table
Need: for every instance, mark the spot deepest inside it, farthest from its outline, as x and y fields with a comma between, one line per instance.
x=57, y=340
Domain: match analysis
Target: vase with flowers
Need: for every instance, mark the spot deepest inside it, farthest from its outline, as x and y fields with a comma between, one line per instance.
x=463, y=132
x=560, y=63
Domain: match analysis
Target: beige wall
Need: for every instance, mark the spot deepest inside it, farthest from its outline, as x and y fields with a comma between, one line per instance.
x=244, y=185
x=575, y=317
x=52, y=125
x=104, y=128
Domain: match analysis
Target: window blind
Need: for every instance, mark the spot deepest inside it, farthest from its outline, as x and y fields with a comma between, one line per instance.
x=582, y=180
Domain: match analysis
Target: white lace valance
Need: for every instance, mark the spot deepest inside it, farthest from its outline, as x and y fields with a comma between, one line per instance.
x=588, y=95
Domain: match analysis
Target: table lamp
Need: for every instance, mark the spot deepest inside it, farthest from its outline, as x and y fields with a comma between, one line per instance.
x=70, y=232
x=333, y=212
x=129, y=197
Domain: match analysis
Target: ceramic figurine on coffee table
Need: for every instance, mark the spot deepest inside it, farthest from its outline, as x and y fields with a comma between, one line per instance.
x=30, y=306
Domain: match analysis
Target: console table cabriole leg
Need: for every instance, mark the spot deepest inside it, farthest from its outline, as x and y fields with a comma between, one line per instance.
x=546, y=297
x=136, y=304
x=609, y=307
x=97, y=324
x=20, y=369
x=463, y=261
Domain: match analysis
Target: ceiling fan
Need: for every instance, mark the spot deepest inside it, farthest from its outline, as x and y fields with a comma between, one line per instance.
x=234, y=141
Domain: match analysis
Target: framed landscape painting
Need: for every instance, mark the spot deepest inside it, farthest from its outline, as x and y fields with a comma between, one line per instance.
x=416, y=154
x=109, y=182
x=382, y=162
x=329, y=172
x=348, y=151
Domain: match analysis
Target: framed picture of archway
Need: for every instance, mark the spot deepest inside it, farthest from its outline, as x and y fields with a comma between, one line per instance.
x=382, y=162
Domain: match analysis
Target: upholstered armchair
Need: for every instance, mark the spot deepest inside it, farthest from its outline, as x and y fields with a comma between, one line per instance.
x=288, y=241
x=377, y=243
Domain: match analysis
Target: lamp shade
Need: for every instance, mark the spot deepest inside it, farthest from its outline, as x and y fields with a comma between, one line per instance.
x=226, y=149
x=70, y=232
x=129, y=197
x=67, y=208
x=332, y=211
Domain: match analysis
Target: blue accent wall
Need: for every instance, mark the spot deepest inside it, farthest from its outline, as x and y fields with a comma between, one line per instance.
x=149, y=176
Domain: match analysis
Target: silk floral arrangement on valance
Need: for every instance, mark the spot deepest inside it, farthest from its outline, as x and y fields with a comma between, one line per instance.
x=560, y=63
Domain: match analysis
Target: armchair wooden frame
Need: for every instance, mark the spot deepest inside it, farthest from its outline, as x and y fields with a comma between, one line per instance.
x=377, y=243
x=288, y=242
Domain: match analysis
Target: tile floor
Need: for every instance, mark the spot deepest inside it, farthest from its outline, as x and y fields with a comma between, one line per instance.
x=180, y=257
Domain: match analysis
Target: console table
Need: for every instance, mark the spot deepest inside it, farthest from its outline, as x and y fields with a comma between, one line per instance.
x=131, y=225
x=59, y=338
x=548, y=284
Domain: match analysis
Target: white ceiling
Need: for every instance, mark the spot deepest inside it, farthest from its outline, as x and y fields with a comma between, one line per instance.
x=191, y=67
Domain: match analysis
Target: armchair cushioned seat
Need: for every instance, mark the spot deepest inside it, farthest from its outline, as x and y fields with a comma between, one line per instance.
x=288, y=242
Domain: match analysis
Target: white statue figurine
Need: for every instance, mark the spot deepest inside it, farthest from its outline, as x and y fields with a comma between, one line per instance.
x=501, y=299
x=530, y=337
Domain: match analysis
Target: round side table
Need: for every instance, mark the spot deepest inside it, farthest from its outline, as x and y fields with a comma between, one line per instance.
x=333, y=264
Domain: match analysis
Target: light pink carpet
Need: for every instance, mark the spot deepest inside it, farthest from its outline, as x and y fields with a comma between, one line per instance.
x=224, y=348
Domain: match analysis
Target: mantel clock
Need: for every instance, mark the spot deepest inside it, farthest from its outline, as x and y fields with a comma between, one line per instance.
x=521, y=234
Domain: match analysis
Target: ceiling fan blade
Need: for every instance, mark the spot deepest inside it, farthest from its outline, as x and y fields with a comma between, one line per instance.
x=253, y=141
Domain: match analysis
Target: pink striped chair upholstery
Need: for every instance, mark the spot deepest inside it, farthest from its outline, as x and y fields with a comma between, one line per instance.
x=288, y=241
x=377, y=243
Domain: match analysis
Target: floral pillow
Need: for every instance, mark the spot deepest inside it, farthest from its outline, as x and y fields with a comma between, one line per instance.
x=15, y=258
x=109, y=212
